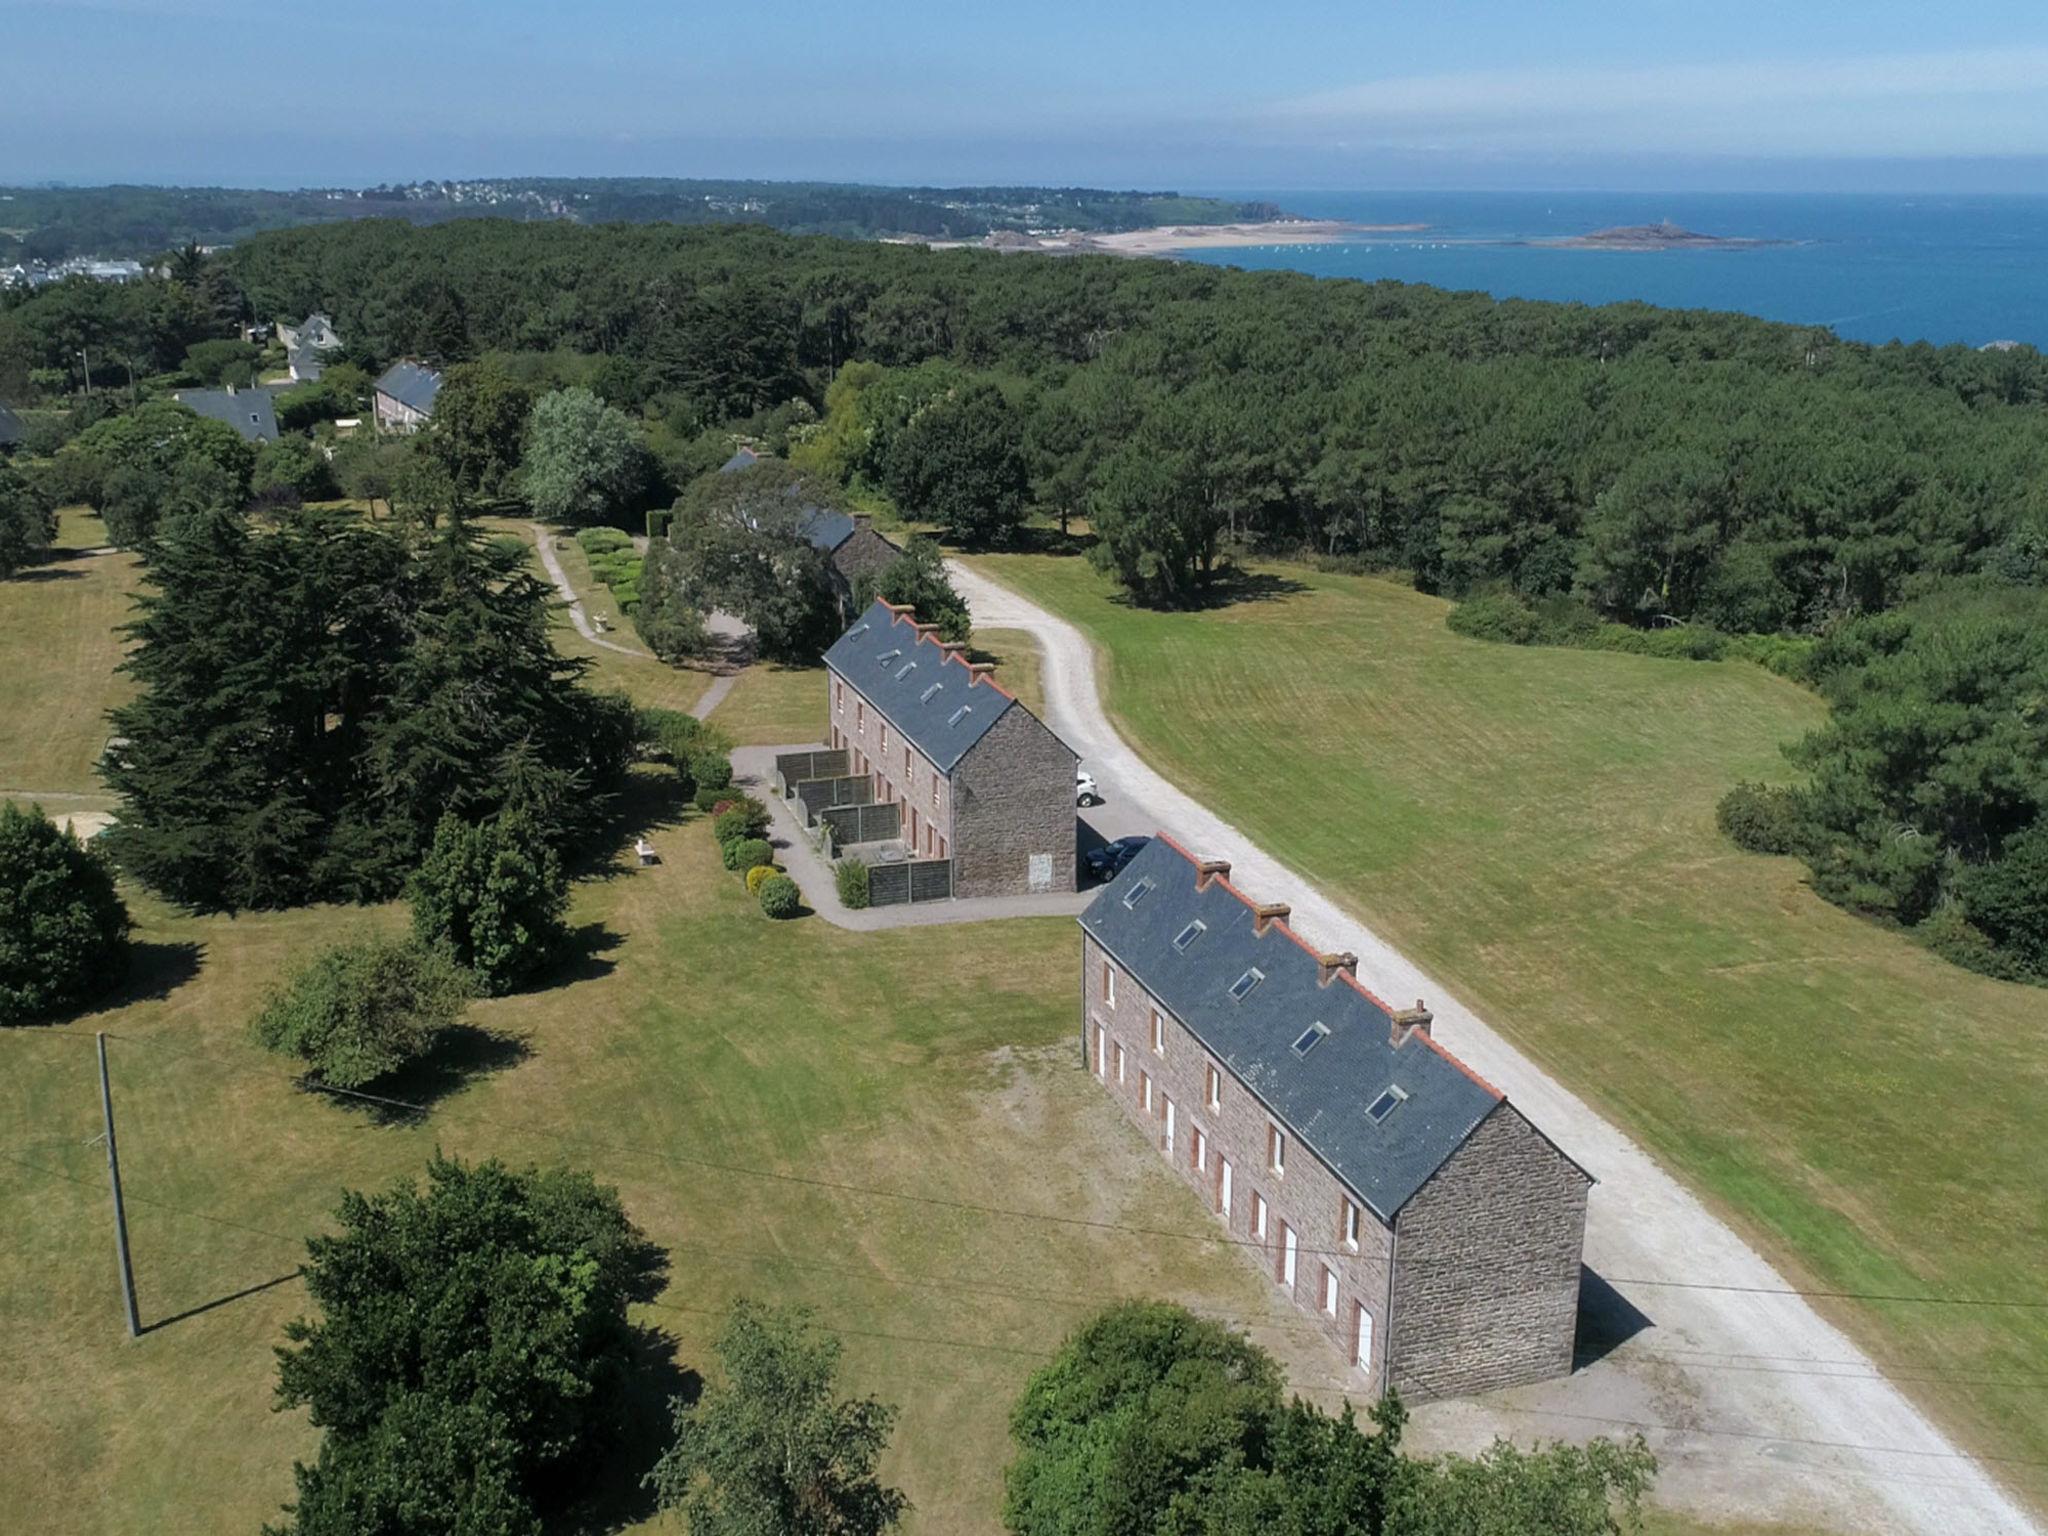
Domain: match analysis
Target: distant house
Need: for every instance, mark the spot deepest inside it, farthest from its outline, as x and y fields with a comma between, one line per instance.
x=405, y=397
x=979, y=779
x=306, y=344
x=850, y=544
x=1418, y=1219
x=251, y=412
x=12, y=433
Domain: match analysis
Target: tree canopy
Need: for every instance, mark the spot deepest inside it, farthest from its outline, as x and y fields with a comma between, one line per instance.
x=584, y=462
x=359, y=1012
x=63, y=927
x=739, y=544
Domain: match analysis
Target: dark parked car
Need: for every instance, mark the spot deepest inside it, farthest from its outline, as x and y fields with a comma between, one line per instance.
x=1107, y=862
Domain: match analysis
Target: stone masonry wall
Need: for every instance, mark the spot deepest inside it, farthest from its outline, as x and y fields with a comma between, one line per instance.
x=1486, y=1283
x=1307, y=1196
x=1013, y=799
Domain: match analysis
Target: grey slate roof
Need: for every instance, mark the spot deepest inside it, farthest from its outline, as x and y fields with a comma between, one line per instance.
x=411, y=384
x=249, y=411
x=1320, y=1097
x=917, y=685
x=11, y=429
x=822, y=528
x=305, y=363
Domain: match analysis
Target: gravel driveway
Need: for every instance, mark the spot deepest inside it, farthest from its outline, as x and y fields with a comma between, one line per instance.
x=1757, y=1408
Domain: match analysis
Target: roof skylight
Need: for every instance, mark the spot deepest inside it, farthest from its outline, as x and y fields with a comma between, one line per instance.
x=1311, y=1038
x=960, y=714
x=1138, y=892
x=1241, y=988
x=905, y=670
x=926, y=696
x=1384, y=1105
x=888, y=656
x=1189, y=934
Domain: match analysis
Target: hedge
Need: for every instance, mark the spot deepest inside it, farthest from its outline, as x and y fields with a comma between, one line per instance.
x=780, y=897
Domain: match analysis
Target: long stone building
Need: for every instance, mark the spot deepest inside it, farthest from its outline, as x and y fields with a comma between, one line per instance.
x=1398, y=1198
x=981, y=780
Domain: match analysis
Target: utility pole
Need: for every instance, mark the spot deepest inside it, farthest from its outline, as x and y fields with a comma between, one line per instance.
x=120, y=1215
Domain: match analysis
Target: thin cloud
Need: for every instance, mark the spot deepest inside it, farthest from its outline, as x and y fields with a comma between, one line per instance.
x=1697, y=104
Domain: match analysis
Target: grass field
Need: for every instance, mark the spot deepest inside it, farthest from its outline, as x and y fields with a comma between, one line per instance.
x=1019, y=667
x=58, y=651
x=1536, y=827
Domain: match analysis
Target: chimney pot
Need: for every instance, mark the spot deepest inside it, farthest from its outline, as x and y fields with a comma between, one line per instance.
x=1410, y=1021
x=1266, y=914
x=1330, y=966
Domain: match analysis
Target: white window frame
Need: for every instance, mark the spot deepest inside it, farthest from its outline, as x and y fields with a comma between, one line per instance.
x=1108, y=984
x=1329, y=1291
x=1290, y=1255
x=1353, y=1220
x=1223, y=1191
x=1145, y=1092
x=1119, y=1061
x=1361, y=1337
x=1260, y=1213
x=1213, y=1085
x=1276, y=1150
x=1201, y=1149
x=1170, y=1125
x=1158, y=1033
x=1101, y=1052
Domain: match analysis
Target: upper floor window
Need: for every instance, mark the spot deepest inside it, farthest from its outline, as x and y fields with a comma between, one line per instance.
x=885, y=735
x=1350, y=1226
x=1276, y=1149
x=1158, y=1034
x=1108, y=983
x=860, y=718
x=1212, y=1086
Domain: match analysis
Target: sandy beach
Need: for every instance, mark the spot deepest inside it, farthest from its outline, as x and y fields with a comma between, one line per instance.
x=1217, y=237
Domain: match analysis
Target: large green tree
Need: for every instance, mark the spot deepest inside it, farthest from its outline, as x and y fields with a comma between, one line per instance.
x=960, y=461
x=585, y=462
x=740, y=544
x=467, y=1364
x=359, y=1012
x=491, y=895
x=478, y=426
x=772, y=1450
x=918, y=577
x=28, y=519
x=140, y=461
x=1153, y=1422
x=63, y=928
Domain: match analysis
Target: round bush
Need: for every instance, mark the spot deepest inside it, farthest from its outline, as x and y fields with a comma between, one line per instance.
x=1762, y=818
x=852, y=877
x=1499, y=616
x=780, y=897
x=758, y=874
x=745, y=853
x=748, y=818
x=710, y=765
x=63, y=930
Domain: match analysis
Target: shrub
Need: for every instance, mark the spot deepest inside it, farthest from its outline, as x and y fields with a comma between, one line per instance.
x=600, y=541
x=758, y=874
x=1763, y=818
x=780, y=897
x=711, y=799
x=359, y=1012
x=710, y=765
x=1951, y=935
x=1497, y=616
x=747, y=818
x=492, y=896
x=852, y=877
x=63, y=929
x=745, y=853
x=2007, y=899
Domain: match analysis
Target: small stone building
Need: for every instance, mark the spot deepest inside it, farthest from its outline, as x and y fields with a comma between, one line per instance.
x=848, y=540
x=980, y=779
x=1431, y=1231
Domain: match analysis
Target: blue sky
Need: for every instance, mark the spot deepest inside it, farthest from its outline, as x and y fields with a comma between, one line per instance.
x=1622, y=94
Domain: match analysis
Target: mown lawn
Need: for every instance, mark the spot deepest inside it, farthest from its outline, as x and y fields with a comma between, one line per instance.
x=774, y=705
x=59, y=646
x=1019, y=666
x=1536, y=826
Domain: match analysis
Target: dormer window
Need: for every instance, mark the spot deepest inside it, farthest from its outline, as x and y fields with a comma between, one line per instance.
x=1138, y=892
x=1385, y=1105
x=926, y=696
x=1241, y=988
x=1188, y=935
x=1311, y=1037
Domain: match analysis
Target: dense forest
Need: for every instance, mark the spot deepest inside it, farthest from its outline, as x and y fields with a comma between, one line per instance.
x=50, y=224
x=1872, y=520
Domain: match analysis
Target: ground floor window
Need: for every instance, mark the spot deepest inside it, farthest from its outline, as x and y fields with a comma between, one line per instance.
x=1362, y=1349
x=1329, y=1291
x=1288, y=1255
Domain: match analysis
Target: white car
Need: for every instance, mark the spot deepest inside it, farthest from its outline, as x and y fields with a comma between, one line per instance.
x=1085, y=792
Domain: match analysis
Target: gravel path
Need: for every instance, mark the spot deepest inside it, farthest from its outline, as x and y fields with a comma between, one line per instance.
x=577, y=616
x=1757, y=1408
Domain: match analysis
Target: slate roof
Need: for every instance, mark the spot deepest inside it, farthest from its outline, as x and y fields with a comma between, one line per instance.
x=820, y=526
x=1321, y=1096
x=411, y=384
x=305, y=363
x=249, y=411
x=917, y=685
x=11, y=429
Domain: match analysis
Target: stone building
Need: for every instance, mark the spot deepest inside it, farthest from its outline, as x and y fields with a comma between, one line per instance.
x=848, y=540
x=980, y=779
x=404, y=397
x=1399, y=1199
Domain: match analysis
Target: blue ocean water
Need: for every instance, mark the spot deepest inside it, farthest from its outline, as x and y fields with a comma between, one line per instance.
x=1919, y=267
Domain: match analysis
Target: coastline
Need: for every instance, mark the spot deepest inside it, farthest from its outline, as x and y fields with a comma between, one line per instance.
x=1169, y=239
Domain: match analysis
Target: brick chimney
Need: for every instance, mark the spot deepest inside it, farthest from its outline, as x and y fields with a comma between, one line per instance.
x=861, y=520
x=1266, y=914
x=1210, y=869
x=978, y=671
x=1329, y=967
x=925, y=630
x=899, y=609
x=1411, y=1021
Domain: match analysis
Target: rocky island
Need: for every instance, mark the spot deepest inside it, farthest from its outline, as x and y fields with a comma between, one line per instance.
x=1664, y=236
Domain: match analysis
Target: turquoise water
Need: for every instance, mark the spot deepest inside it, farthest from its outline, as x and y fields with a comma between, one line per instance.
x=1923, y=267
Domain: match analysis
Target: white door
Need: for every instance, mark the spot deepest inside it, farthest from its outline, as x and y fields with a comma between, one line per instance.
x=1364, y=1351
x=1223, y=1197
x=1169, y=1125
x=1287, y=1260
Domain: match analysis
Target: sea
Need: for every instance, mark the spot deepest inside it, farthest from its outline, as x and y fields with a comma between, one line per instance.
x=1909, y=267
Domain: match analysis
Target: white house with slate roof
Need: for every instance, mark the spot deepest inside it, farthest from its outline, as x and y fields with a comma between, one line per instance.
x=1397, y=1198
x=251, y=412
x=980, y=779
